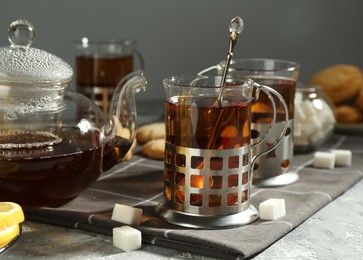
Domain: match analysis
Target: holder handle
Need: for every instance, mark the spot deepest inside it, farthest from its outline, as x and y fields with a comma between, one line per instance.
x=268, y=132
x=268, y=90
x=209, y=69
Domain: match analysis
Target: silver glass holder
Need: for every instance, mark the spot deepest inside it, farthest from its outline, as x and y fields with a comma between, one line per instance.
x=274, y=168
x=205, y=188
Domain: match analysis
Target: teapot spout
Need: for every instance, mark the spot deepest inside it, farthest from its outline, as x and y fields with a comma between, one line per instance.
x=123, y=99
x=122, y=114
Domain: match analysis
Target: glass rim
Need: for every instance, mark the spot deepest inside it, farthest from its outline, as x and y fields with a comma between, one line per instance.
x=103, y=41
x=188, y=80
x=290, y=65
x=306, y=87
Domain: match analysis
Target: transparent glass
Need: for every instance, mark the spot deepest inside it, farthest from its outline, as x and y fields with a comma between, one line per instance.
x=274, y=169
x=101, y=64
x=196, y=117
x=314, y=118
x=55, y=143
x=281, y=75
x=208, y=157
x=49, y=157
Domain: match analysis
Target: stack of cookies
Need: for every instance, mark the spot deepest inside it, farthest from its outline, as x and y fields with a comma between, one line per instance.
x=343, y=84
x=152, y=137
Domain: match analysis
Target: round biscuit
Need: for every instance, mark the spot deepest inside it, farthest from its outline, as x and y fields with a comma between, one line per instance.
x=130, y=152
x=150, y=132
x=154, y=149
x=348, y=114
x=359, y=100
x=339, y=82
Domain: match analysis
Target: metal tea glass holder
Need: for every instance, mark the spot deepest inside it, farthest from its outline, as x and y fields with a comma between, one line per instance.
x=217, y=195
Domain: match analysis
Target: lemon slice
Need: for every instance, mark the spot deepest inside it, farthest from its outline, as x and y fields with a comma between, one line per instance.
x=8, y=234
x=10, y=214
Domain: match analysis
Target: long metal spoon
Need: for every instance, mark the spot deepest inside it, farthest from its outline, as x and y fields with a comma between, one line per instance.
x=235, y=28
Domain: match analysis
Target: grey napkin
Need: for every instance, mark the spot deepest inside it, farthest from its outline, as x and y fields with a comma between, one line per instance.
x=139, y=183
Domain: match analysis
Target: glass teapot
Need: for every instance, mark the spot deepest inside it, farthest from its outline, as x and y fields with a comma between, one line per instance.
x=55, y=143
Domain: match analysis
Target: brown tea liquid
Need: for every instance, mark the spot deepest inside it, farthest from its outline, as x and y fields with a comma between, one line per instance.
x=202, y=123
x=262, y=108
x=97, y=76
x=54, y=175
x=102, y=72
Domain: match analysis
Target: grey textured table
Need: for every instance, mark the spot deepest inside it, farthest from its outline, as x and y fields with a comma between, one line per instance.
x=335, y=232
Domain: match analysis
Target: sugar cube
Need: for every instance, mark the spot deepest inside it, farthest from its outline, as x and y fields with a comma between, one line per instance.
x=298, y=98
x=297, y=130
x=310, y=125
x=326, y=117
x=315, y=120
x=342, y=157
x=324, y=160
x=308, y=108
x=299, y=114
x=126, y=238
x=126, y=214
x=316, y=137
x=272, y=209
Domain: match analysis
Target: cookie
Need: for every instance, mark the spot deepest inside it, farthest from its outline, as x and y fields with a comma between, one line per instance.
x=151, y=132
x=154, y=149
x=348, y=114
x=339, y=82
x=124, y=133
x=130, y=152
x=359, y=100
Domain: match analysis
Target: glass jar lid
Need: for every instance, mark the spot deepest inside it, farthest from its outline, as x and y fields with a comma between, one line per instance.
x=21, y=64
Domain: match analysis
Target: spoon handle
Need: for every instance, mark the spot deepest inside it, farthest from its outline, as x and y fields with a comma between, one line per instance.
x=235, y=28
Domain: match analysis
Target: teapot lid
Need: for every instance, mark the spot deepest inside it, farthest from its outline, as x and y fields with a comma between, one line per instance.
x=23, y=65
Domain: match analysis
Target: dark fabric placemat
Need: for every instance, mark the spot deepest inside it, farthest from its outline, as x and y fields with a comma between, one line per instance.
x=139, y=183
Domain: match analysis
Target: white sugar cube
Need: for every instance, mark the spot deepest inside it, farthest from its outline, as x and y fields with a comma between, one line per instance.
x=308, y=108
x=326, y=117
x=315, y=121
x=299, y=114
x=126, y=214
x=324, y=160
x=342, y=157
x=272, y=209
x=316, y=137
x=298, y=98
x=126, y=238
x=297, y=129
x=321, y=105
x=311, y=125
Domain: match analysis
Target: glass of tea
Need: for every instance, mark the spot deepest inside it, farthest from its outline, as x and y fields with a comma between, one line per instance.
x=208, y=145
x=101, y=64
x=274, y=168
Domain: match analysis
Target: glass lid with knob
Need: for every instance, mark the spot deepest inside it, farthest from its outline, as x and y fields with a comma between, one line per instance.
x=31, y=80
x=22, y=64
x=32, y=89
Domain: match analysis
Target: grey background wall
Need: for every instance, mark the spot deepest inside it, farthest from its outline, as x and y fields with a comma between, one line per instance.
x=184, y=36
